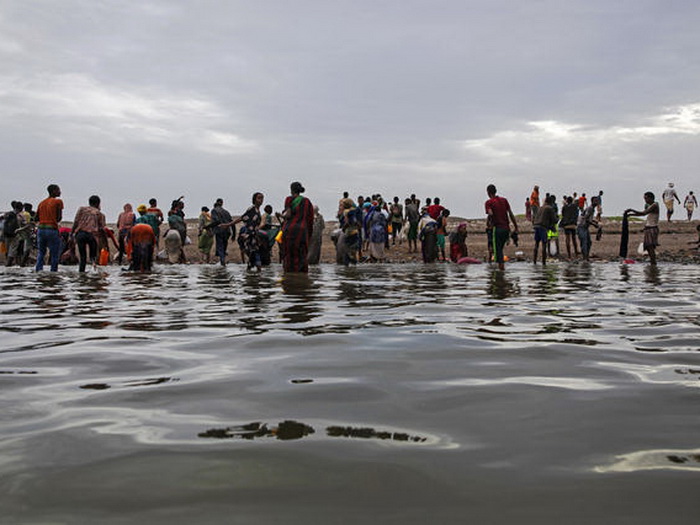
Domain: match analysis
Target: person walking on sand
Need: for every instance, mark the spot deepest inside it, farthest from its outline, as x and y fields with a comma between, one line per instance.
x=498, y=213
x=49, y=215
x=690, y=204
x=651, y=224
x=668, y=196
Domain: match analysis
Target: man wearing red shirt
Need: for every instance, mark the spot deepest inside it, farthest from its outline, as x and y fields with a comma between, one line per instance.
x=498, y=212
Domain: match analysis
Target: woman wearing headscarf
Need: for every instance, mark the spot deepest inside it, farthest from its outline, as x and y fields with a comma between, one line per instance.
x=298, y=224
x=458, y=243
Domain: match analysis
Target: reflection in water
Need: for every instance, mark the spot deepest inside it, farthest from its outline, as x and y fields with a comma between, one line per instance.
x=624, y=273
x=654, y=460
x=652, y=274
x=501, y=286
x=301, y=290
x=288, y=430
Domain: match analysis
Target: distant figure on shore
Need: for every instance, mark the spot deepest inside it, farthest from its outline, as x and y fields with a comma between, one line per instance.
x=668, y=196
x=316, y=237
x=49, y=215
x=88, y=226
x=582, y=201
x=221, y=224
x=458, y=243
x=534, y=201
x=142, y=244
x=396, y=213
x=498, y=213
x=528, y=209
x=569, y=218
x=599, y=209
x=585, y=221
x=413, y=218
x=441, y=232
x=435, y=209
x=297, y=228
x=651, y=224
x=690, y=204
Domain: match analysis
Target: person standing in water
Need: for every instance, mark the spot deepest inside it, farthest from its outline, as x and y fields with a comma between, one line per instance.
x=651, y=224
x=297, y=228
x=89, y=223
x=49, y=215
x=498, y=213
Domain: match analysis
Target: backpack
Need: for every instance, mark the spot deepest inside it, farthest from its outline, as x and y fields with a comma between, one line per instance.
x=10, y=225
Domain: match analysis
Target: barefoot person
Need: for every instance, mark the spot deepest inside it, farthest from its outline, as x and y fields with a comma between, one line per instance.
x=690, y=204
x=651, y=225
x=498, y=212
x=668, y=196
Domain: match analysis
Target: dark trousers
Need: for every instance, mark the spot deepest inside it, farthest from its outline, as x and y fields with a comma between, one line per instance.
x=85, y=240
x=221, y=237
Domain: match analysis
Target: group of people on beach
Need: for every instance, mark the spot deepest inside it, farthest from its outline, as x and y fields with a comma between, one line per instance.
x=367, y=227
x=370, y=225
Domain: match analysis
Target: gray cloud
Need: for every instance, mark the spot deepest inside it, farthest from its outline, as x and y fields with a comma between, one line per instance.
x=214, y=98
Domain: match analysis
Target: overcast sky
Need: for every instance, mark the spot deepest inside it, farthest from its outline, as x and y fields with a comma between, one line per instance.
x=139, y=99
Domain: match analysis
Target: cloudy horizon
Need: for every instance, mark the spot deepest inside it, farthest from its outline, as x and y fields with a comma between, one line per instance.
x=223, y=98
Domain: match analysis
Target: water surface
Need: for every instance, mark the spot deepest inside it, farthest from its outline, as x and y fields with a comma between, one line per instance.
x=386, y=393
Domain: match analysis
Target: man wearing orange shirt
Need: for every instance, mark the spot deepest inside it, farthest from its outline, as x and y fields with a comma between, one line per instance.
x=142, y=241
x=49, y=214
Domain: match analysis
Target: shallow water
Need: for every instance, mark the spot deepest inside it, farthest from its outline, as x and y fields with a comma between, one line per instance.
x=387, y=394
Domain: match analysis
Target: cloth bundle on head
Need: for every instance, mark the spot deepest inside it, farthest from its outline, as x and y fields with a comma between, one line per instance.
x=142, y=208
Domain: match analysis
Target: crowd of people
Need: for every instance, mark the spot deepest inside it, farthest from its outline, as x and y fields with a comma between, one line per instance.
x=368, y=226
